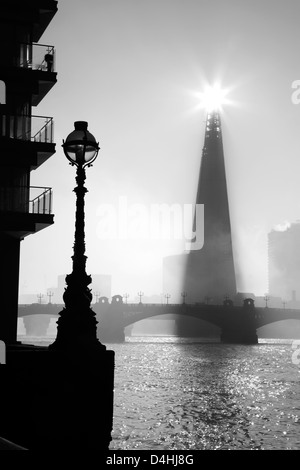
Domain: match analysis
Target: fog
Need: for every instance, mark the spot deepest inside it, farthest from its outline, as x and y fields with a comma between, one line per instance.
x=133, y=70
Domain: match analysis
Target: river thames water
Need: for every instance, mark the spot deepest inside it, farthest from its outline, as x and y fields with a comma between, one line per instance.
x=187, y=394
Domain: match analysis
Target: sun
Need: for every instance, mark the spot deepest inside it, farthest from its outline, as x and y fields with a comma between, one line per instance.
x=212, y=98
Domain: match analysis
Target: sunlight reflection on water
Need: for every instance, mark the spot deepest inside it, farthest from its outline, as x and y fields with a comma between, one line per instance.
x=175, y=394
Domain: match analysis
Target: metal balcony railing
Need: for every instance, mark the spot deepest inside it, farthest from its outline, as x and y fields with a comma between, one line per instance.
x=37, y=57
x=26, y=199
x=29, y=128
x=40, y=202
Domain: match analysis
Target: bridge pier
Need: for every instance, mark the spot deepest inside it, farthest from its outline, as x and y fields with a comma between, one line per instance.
x=36, y=325
x=239, y=327
x=110, y=320
x=239, y=336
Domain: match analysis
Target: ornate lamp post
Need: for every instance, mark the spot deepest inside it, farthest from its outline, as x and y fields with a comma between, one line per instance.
x=77, y=360
x=140, y=294
x=266, y=299
x=183, y=295
x=77, y=323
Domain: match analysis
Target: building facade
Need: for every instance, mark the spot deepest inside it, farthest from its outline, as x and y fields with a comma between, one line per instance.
x=27, y=74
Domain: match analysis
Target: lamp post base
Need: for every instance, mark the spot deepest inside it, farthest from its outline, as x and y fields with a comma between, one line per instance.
x=77, y=329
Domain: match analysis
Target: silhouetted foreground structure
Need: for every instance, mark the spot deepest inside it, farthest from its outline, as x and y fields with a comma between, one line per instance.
x=7, y=445
x=26, y=141
x=72, y=382
x=57, y=399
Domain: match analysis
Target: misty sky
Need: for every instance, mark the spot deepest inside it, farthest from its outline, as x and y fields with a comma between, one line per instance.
x=133, y=70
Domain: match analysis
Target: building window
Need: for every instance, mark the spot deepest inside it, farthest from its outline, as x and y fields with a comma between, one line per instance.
x=2, y=92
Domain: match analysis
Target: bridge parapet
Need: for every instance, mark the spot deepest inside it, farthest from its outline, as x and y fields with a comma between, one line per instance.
x=248, y=303
x=266, y=315
x=113, y=316
x=117, y=299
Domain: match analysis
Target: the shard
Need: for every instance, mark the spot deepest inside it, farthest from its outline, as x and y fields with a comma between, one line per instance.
x=207, y=274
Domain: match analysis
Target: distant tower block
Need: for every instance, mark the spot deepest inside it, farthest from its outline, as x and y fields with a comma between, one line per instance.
x=284, y=262
x=208, y=272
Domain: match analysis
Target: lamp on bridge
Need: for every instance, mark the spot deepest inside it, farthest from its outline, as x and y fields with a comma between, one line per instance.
x=77, y=322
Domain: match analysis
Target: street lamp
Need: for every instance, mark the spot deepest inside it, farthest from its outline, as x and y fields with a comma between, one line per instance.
x=266, y=299
x=183, y=295
x=50, y=295
x=77, y=322
x=79, y=362
x=140, y=294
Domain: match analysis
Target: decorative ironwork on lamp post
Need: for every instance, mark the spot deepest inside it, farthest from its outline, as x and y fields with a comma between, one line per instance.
x=77, y=323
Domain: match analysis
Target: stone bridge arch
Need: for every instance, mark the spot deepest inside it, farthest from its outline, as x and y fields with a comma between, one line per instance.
x=238, y=324
x=135, y=317
x=270, y=316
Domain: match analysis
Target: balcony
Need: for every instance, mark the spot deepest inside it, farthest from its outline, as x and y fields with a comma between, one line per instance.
x=40, y=202
x=27, y=128
x=25, y=210
x=35, y=66
x=26, y=200
x=37, y=57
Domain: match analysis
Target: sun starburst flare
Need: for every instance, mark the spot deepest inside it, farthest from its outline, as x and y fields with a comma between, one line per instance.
x=213, y=98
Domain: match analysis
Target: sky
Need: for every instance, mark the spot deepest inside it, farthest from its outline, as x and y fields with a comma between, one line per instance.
x=134, y=70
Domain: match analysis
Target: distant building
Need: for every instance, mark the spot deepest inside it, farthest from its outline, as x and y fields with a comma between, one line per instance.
x=27, y=74
x=207, y=273
x=284, y=263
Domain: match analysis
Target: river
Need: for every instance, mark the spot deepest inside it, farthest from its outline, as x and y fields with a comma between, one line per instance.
x=186, y=394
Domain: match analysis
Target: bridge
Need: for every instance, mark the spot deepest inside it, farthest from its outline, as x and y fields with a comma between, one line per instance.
x=238, y=324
